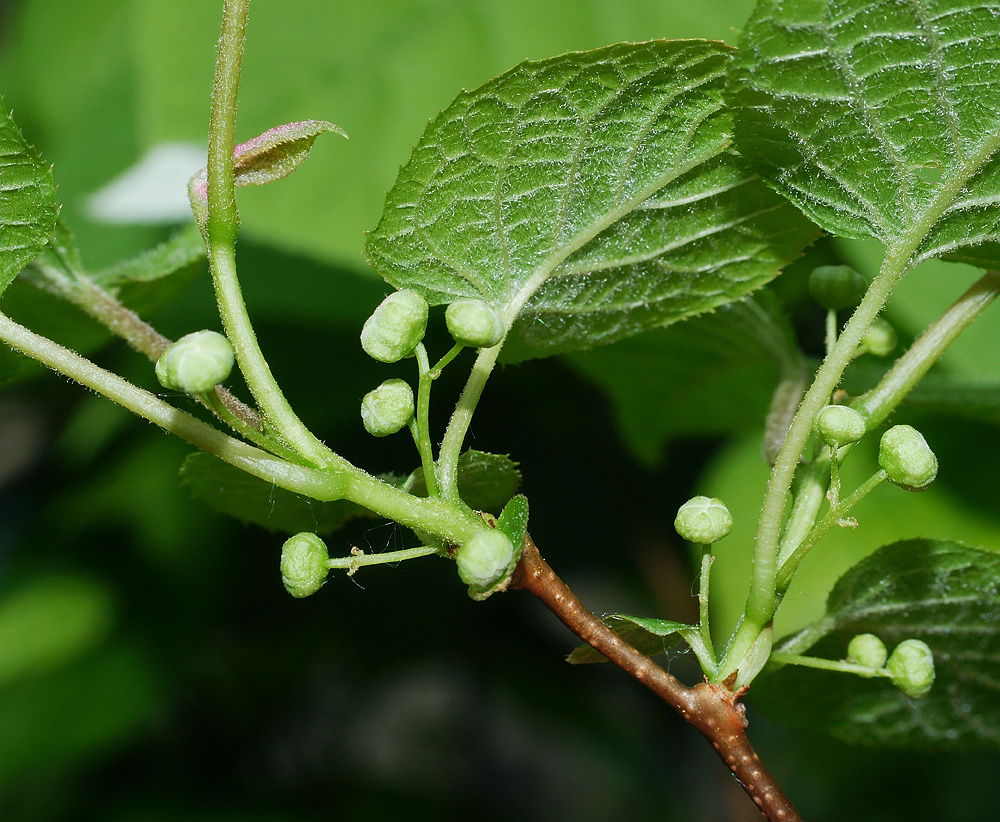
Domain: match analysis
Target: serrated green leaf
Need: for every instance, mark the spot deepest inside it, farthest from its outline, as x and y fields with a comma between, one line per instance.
x=513, y=521
x=646, y=634
x=875, y=117
x=28, y=206
x=592, y=195
x=486, y=482
x=251, y=500
x=943, y=593
x=185, y=248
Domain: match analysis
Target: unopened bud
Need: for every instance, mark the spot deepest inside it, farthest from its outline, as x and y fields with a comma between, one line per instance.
x=840, y=425
x=703, y=520
x=906, y=458
x=388, y=408
x=474, y=323
x=837, y=287
x=196, y=363
x=484, y=557
x=912, y=667
x=867, y=650
x=879, y=340
x=396, y=326
x=304, y=565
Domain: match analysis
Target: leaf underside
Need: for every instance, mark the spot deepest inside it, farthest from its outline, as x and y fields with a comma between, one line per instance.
x=28, y=206
x=647, y=635
x=943, y=593
x=878, y=119
x=590, y=195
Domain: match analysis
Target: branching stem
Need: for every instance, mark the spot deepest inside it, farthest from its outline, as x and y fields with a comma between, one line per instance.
x=908, y=370
x=712, y=709
x=221, y=231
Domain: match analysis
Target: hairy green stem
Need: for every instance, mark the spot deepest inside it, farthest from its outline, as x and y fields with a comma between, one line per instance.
x=908, y=370
x=421, y=423
x=810, y=493
x=831, y=329
x=452, y=523
x=439, y=366
x=834, y=515
x=839, y=665
x=704, y=625
x=763, y=586
x=221, y=230
x=386, y=558
x=458, y=426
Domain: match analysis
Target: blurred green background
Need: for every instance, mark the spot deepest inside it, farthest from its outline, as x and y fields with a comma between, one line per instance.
x=151, y=665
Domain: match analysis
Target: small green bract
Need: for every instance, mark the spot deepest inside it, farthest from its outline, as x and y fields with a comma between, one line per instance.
x=395, y=327
x=474, y=323
x=483, y=559
x=304, y=568
x=906, y=458
x=837, y=287
x=867, y=650
x=196, y=363
x=703, y=520
x=912, y=668
x=387, y=409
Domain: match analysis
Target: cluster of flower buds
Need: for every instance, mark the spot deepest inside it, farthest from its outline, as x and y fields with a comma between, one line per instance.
x=910, y=666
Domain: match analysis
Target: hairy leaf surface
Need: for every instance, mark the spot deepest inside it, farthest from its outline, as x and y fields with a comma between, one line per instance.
x=876, y=118
x=591, y=195
x=944, y=593
x=28, y=206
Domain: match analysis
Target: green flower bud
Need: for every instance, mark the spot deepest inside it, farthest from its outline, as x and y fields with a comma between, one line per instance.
x=840, y=425
x=906, y=458
x=304, y=564
x=867, y=650
x=483, y=558
x=196, y=363
x=388, y=408
x=879, y=340
x=912, y=668
x=837, y=287
x=703, y=520
x=474, y=323
x=396, y=326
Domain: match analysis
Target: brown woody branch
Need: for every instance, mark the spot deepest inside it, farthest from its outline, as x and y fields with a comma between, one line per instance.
x=713, y=709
